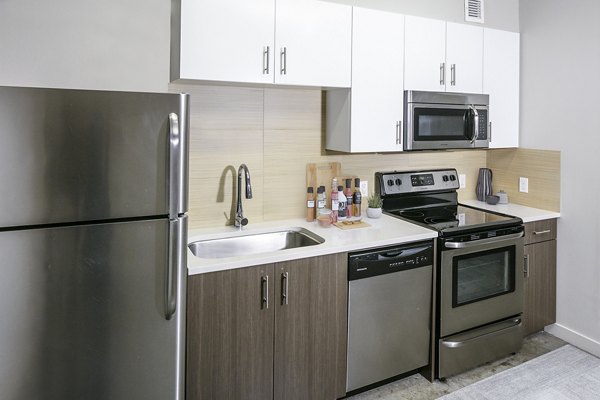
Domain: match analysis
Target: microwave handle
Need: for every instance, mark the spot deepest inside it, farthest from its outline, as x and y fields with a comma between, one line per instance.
x=472, y=123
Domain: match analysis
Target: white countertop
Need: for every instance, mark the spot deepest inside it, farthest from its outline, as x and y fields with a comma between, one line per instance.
x=527, y=214
x=384, y=231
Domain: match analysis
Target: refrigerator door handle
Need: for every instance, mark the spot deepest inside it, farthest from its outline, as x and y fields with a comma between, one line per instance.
x=175, y=264
x=174, y=165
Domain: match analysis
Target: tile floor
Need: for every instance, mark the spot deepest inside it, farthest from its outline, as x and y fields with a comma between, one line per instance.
x=416, y=387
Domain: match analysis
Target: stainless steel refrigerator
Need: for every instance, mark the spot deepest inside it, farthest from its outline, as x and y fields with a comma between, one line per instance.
x=93, y=200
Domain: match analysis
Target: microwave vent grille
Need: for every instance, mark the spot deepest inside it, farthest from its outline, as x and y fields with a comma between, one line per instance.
x=474, y=11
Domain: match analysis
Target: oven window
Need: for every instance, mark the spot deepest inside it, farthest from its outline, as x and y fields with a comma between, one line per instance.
x=439, y=124
x=483, y=275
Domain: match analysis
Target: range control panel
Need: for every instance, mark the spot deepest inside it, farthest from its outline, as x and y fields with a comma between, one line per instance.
x=390, y=183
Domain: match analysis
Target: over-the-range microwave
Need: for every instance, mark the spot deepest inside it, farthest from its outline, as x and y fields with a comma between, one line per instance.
x=439, y=120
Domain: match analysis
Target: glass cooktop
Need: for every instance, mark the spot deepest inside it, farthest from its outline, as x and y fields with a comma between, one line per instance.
x=454, y=217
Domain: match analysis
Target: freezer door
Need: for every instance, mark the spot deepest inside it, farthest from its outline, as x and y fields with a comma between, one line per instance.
x=79, y=155
x=83, y=313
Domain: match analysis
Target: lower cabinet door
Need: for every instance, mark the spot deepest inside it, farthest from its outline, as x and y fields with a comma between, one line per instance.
x=540, y=286
x=230, y=334
x=311, y=328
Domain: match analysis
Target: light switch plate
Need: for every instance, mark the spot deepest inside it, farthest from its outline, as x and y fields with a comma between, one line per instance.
x=462, y=180
x=523, y=185
x=364, y=188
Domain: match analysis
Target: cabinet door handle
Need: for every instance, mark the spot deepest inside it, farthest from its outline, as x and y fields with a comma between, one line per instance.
x=541, y=232
x=264, y=292
x=398, y=132
x=283, y=61
x=442, y=73
x=284, y=288
x=453, y=74
x=526, y=266
x=266, y=52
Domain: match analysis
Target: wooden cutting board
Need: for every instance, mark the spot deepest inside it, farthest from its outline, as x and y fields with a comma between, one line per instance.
x=321, y=174
x=353, y=225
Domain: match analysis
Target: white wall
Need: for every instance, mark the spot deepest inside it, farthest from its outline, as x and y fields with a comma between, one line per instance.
x=110, y=44
x=499, y=14
x=560, y=82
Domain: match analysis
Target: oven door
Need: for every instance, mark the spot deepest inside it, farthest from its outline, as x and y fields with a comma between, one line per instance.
x=446, y=126
x=481, y=282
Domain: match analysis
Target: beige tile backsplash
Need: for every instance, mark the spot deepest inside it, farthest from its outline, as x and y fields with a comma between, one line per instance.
x=276, y=132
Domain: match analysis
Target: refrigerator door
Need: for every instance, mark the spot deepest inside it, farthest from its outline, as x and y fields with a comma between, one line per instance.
x=78, y=155
x=83, y=312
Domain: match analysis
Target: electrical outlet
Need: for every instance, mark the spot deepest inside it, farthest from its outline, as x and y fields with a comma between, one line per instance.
x=462, y=180
x=523, y=185
x=364, y=188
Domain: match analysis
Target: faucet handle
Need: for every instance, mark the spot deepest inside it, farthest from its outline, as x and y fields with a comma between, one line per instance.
x=244, y=222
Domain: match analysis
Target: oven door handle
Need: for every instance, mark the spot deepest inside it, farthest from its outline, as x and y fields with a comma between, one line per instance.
x=464, y=245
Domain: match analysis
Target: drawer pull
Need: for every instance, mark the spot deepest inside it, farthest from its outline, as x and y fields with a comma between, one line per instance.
x=541, y=232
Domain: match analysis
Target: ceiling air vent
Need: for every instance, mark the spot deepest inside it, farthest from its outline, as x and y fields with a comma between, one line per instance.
x=474, y=11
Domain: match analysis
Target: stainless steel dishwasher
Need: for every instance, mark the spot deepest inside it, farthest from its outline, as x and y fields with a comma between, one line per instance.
x=389, y=312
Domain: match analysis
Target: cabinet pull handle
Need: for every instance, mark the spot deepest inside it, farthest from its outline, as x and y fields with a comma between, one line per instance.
x=526, y=266
x=283, y=61
x=397, y=132
x=442, y=73
x=266, y=51
x=541, y=232
x=284, y=288
x=453, y=74
x=264, y=292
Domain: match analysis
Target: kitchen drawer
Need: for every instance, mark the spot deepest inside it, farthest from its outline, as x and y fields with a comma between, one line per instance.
x=540, y=231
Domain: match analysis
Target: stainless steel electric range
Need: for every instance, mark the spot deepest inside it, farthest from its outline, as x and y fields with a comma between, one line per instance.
x=478, y=269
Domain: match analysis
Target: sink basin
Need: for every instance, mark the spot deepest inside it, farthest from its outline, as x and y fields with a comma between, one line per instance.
x=255, y=243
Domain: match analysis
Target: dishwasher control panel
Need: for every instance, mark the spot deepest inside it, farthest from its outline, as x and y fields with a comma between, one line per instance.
x=389, y=260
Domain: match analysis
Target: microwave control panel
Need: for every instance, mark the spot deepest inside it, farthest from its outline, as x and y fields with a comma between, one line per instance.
x=390, y=183
x=483, y=124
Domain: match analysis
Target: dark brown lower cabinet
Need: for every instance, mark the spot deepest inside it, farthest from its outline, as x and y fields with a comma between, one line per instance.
x=237, y=348
x=540, y=286
x=230, y=334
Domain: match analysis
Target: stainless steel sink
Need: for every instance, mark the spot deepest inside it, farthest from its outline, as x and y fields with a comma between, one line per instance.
x=255, y=243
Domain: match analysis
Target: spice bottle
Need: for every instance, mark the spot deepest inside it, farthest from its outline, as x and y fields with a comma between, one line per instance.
x=349, y=196
x=334, y=201
x=342, y=204
x=357, y=198
x=310, y=204
x=320, y=200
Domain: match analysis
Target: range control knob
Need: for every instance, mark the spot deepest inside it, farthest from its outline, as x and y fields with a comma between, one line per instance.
x=445, y=178
x=390, y=182
x=452, y=178
x=398, y=181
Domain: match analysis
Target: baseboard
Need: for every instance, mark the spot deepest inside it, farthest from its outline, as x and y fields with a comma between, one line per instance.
x=576, y=339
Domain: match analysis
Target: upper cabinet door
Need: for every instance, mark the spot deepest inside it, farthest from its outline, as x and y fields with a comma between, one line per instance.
x=501, y=82
x=464, y=58
x=377, y=93
x=227, y=40
x=313, y=43
x=425, y=54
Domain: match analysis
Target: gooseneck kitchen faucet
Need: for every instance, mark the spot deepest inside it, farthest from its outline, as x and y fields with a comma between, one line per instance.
x=240, y=220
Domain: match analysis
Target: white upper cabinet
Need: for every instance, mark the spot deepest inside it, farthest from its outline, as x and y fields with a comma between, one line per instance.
x=442, y=56
x=368, y=118
x=501, y=82
x=227, y=40
x=425, y=54
x=464, y=58
x=313, y=43
x=296, y=42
